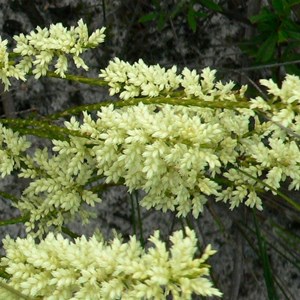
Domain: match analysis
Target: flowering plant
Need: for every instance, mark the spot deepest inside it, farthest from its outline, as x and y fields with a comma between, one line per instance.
x=181, y=137
x=93, y=269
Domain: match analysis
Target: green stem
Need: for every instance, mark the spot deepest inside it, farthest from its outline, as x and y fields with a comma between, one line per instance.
x=3, y=273
x=21, y=219
x=176, y=98
x=80, y=79
x=156, y=101
x=260, y=67
x=69, y=232
x=282, y=195
x=40, y=128
x=14, y=292
x=140, y=222
x=192, y=223
x=133, y=218
x=8, y=196
x=268, y=275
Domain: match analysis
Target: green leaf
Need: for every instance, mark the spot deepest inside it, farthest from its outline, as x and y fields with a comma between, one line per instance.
x=191, y=19
x=279, y=6
x=178, y=8
x=161, y=21
x=293, y=2
x=288, y=30
x=289, y=55
x=148, y=17
x=288, y=24
x=264, y=257
x=267, y=49
x=211, y=5
x=291, y=239
x=282, y=36
x=156, y=4
x=294, y=35
x=265, y=15
x=200, y=14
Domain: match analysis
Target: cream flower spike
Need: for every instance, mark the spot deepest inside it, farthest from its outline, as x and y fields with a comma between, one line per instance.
x=58, y=269
x=41, y=46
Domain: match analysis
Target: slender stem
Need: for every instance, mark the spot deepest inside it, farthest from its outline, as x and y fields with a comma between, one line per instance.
x=237, y=273
x=9, y=196
x=193, y=224
x=21, y=219
x=140, y=222
x=260, y=67
x=69, y=232
x=3, y=273
x=157, y=100
x=262, y=249
x=13, y=291
x=104, y=12
x=80, y=79
x=133, y=214
x=282, y=195
x=40, y=128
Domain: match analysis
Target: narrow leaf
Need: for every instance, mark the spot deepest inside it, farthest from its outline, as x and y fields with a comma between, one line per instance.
x=148, y=17
x=279, y=6
x=267, y=49
x=191, y=19
x=265, y=15
x=211, y=5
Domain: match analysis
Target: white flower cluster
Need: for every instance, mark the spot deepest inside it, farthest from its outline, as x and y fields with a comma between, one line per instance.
x=151, y=81
x=281, y=159
x=205, y=87
x=38, y=49
x=6, y=69
x=170, y=153
x=58, y=269
x=138, y=79
x=12, y=147
x=284, y=107
x=178, y=155
x=59, y=185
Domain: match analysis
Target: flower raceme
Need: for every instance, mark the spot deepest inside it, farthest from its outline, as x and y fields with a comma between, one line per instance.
x=6, y=69
x=179, y=155
x=37, y=50
x=57, y=269
x=139, y=79
x=12, y=146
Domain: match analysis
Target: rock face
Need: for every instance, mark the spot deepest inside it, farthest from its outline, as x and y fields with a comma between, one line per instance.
x=214, y=44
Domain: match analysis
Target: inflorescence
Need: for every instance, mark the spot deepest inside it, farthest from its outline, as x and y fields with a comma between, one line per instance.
x=37, y=50
x=57, y=269
x=180, y=155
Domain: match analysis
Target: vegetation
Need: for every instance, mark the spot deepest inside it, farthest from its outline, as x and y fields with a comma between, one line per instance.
x=183, y=137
